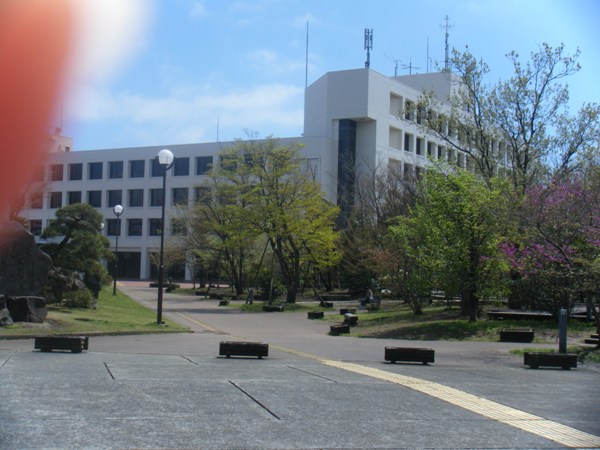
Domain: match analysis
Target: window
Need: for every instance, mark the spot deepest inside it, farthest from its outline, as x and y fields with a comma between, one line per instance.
x=35, y=227
x=75, y=171
x=137, y=168
x=73, y=197
x=154, y=227
x=203, y=164
x=115, y=169
x=134, y=227
x=180, y=196
x=202, y=194
x=37, y=200
x=156, y=197
x=113, y=227
x=136, y=197
x=419, y=146
x=430, y=147
x=409, y=110
x=408, y=142
x=56, y=172
x=55, y=199
x=94, y=198
x=178, y=227
x=157, y=170
x=114, y=197
x=181, y=167
x=95, y=171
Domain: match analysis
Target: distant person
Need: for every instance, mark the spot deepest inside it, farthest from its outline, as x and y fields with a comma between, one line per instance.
x=367, y=299
x=250, y=298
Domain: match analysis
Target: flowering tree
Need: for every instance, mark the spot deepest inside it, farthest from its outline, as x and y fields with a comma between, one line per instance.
x=556, y=261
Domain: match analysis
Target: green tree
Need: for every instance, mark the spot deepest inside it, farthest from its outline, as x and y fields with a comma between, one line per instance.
x=519, y=127
x=271, y=195
x=75, y=242
x=450, y=238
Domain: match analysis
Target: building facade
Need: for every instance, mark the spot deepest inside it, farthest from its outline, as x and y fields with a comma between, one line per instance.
x=354, y=121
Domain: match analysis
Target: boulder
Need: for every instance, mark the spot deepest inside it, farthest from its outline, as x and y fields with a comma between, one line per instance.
x=27, y=308
x=23, y=266
x=5, y=318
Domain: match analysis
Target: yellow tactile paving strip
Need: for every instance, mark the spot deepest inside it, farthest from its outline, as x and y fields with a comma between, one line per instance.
x=562, y=434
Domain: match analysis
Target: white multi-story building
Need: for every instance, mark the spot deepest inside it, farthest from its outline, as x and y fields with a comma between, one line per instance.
x=354, y=121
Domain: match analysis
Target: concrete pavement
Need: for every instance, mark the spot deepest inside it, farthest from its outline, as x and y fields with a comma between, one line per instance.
x=313, y=391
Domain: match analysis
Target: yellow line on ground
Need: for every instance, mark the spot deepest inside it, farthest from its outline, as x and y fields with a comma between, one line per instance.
x=200, y=324
x=564, y=435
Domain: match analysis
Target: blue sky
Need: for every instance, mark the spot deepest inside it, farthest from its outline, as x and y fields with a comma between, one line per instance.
x=178, y=71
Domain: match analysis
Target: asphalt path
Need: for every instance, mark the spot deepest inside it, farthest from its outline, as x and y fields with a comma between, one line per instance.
x=312, y=391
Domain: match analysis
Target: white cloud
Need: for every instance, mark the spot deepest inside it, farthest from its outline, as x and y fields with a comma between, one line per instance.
x=272, y=62
x=190, y=113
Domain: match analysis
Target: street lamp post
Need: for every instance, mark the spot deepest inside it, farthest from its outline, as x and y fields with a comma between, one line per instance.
x=118, y=210
x=165, y=159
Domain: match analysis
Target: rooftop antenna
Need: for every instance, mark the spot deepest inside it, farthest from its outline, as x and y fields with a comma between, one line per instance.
x=306, y=64
x=368, y=46
x=396, y=61
x=447, y=54
x=409, y=66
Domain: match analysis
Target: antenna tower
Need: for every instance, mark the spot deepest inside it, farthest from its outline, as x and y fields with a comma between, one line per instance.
x=447, y=54
x=368, y=45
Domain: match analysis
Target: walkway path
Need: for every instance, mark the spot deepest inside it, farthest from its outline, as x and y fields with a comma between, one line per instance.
x=314, y=391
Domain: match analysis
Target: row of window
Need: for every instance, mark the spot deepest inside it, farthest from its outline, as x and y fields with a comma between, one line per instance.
x=135, y=197
x=134, y=227
x=136, y=169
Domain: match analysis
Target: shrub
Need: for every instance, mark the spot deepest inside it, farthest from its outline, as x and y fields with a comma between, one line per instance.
x=78, y=299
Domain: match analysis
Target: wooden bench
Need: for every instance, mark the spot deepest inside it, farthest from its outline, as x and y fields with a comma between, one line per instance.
x=76, y=344
x=516, y=335
x=316, y=314
x=563, y=360
x=336, y=330
x=347, y=310
x=229, y=348
x=409, y=354
x=223, y=302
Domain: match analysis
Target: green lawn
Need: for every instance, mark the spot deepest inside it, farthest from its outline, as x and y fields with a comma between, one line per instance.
x=114, y=314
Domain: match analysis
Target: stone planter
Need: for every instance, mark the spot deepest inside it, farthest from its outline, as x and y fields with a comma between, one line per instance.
x=316, y=314
x=336, y=330
x=350, y=319
x=272, y=308
x=516, y=335
x=563, y=360
x=409, y=354
x=235, y=348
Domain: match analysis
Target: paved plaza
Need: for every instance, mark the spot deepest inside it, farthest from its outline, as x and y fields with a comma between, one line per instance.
x=174, y=391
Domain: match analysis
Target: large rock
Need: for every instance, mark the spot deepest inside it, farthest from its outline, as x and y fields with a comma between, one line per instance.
x=5, y=318
x=27, y=309
x=23, y=266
